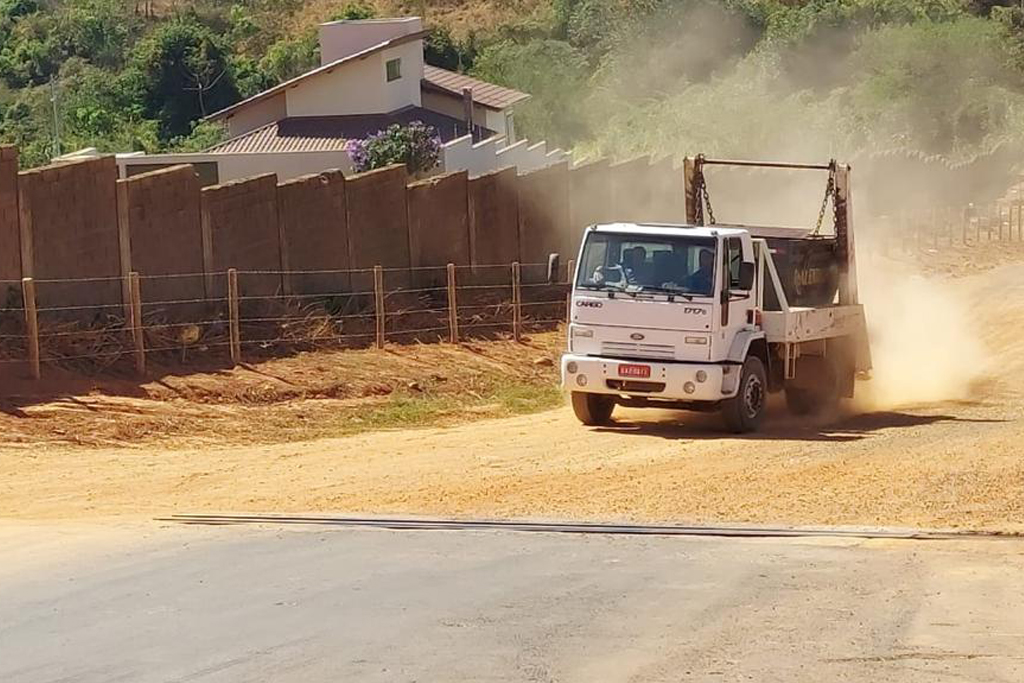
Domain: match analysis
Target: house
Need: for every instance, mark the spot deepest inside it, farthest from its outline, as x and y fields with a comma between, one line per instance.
x=372, y=74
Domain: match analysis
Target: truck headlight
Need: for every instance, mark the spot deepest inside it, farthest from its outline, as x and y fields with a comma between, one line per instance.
x=701, y=341
x=689, y=387
x=702, y=377
x=584, y=333
x=571, y=367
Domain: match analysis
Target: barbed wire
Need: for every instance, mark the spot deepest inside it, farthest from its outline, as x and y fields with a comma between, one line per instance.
x=112, y=333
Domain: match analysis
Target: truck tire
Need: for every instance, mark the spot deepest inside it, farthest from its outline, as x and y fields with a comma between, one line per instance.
x=801, y=401
x=743, y=413
x=820, y=397
x=592, y=410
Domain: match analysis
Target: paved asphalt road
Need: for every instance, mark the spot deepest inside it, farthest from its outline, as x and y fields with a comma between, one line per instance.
x=308, y=604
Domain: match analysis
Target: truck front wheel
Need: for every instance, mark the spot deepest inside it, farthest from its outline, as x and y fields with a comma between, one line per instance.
x=593, y=409
x=744, y=412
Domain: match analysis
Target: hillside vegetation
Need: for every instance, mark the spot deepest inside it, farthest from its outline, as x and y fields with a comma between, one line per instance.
x=609, y=77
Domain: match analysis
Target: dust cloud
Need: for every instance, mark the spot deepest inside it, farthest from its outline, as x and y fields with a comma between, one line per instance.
x=926, y=345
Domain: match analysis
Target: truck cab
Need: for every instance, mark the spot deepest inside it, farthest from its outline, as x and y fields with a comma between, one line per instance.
x=698, y=317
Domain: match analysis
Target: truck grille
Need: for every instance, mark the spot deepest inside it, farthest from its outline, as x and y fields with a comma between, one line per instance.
x=638, y=350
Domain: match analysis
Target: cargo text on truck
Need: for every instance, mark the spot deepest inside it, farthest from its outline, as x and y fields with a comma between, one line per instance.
x=706, y=316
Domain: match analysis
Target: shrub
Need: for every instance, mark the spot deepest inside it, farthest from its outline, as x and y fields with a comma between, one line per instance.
x=415, y=145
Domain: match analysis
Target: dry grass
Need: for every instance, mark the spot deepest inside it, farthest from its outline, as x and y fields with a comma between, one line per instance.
x=460, y=16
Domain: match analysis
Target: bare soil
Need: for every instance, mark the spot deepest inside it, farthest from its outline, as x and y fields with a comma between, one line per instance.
x=243, y=440
x=305, y=396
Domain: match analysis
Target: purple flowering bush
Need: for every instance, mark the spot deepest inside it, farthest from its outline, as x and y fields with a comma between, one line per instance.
x=416, y=145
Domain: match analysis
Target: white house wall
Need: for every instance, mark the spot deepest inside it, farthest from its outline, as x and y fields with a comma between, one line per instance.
x=286, y=165
x=495, y=120
x=485, y=156
x=491, y=155
x=513, y=156
x=364, y=84
x=407, y=90
x=457, y=155
x=343, y=38
x=257, y=114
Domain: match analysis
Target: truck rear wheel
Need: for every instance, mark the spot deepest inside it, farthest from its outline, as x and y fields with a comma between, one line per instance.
x=744, y=412
x=819, y=395
x=593, y=409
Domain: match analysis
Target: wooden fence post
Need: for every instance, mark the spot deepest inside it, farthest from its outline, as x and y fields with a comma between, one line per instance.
x=453, y=307
x=28, y=293
x=234, y=330
x=517, y=302
x=135, y=305
x=378, y=303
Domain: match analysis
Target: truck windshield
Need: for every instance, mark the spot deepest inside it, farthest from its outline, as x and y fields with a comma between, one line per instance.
x=671, y=264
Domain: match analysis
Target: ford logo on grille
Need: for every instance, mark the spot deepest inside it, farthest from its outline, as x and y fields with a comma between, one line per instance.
x=636, y=336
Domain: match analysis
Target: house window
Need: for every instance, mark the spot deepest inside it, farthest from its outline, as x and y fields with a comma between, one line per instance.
x=394, y=69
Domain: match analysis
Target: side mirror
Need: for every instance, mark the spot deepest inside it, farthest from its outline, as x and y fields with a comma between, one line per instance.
x=553, y=269
x=746, y=276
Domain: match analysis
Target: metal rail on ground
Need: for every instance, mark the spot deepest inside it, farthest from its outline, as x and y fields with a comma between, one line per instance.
x=585, y=527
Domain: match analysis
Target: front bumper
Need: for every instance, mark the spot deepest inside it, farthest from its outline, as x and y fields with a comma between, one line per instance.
x=667, y=381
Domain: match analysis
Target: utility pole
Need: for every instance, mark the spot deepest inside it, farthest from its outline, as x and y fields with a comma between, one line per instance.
x=56, y=118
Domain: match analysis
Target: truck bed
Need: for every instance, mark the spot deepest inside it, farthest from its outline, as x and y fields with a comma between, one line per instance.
x=804, y=324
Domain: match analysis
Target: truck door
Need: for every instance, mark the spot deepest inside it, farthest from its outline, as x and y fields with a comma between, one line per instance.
x=737, y=305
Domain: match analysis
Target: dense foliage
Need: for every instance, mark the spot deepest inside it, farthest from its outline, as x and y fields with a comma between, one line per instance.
x=769, y=77
x=616, y=77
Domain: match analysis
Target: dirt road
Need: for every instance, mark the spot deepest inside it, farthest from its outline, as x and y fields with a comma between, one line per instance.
x=894, y=461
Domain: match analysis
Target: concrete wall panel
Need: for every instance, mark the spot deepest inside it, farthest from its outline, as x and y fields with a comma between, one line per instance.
x=494, y=219
x=313, y=217
x=378, y=223
x=631, y=191
x=544, y=214
x=668, y=203
x=590, y=200
x=439, y=223
x=160, y=219
x=10, y=242
x=69, y=230
x=240, y=222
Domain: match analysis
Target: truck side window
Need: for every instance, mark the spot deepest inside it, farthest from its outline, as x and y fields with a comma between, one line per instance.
x=733, y=259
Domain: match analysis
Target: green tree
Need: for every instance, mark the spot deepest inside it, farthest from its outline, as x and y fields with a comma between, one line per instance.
x=180, y=73
x=289, y=58
x=204, y=135
x=354, y=11
x=442, y=50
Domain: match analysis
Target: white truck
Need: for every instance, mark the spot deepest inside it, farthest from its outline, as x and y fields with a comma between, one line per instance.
x=708, y=317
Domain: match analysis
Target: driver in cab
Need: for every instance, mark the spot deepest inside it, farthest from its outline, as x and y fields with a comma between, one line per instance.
x=702, y=280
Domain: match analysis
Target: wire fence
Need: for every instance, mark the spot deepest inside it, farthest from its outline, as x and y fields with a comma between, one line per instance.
x=974, y=224
x=234, y=315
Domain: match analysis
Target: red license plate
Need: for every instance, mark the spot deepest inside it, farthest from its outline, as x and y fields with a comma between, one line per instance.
x=634, y=371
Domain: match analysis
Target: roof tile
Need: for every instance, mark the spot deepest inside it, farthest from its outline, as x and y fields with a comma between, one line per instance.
x=487, y=94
